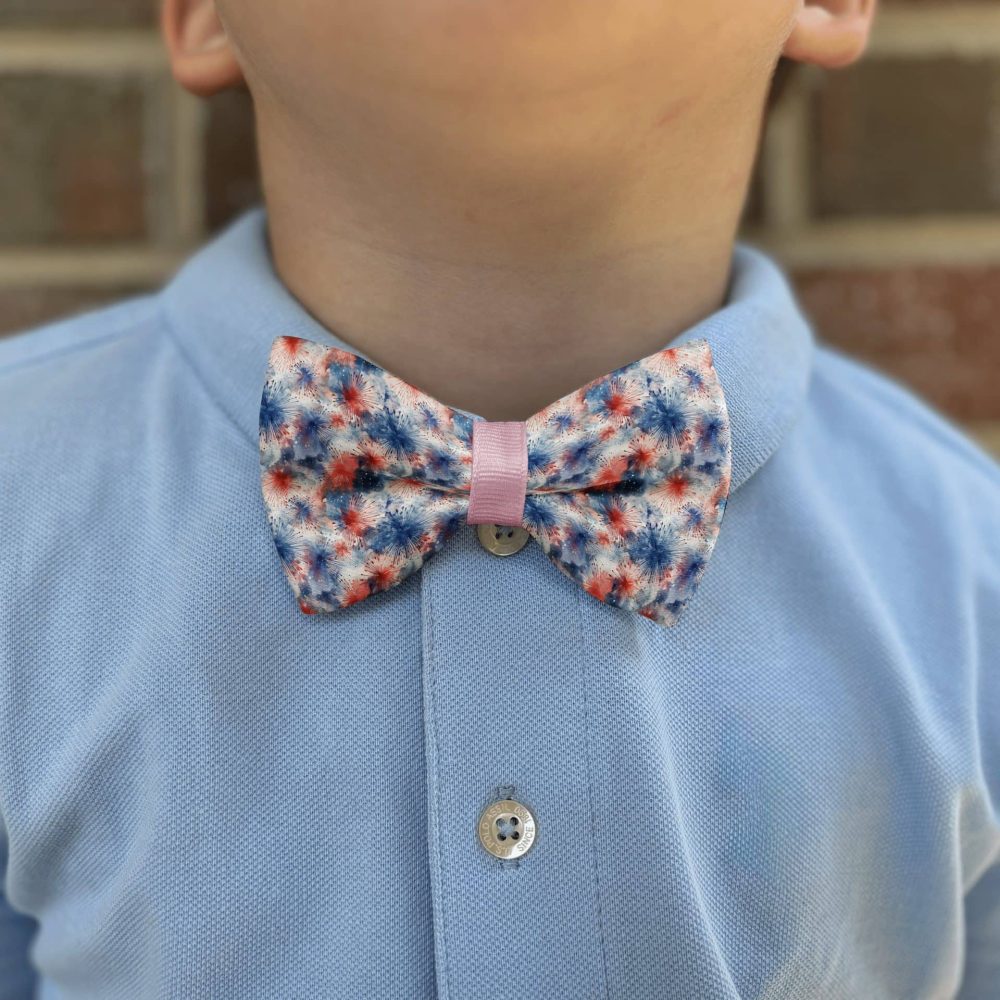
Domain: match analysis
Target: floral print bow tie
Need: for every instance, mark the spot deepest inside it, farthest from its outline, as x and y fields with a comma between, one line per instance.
x=623, y=483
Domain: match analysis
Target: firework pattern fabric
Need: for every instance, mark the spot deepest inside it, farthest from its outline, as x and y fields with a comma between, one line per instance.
x=365, y=477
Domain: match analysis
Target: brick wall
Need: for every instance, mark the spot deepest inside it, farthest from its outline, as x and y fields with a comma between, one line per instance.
x=878, y=186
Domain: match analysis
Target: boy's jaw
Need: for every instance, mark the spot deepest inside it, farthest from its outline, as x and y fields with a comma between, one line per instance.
x=499, y=201
x=498, y=280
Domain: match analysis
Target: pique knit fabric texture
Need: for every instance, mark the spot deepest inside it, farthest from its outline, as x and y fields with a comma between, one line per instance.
x=366, y=477
x=791, y=794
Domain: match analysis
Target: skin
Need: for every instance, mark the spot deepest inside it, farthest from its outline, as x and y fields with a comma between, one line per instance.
x=500, y=200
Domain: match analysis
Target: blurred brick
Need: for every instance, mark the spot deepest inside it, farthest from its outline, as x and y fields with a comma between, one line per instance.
x=22, y=308
x=231, y=176
x=987, y=433
x=907, y=136
x=934, y=328
x=72, y=164
x=77, y=13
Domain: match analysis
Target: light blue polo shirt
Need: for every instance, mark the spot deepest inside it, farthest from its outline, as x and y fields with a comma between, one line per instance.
x=792, y=794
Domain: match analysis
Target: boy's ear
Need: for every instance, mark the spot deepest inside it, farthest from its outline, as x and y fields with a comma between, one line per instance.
x=830, y=33
x=201, y=56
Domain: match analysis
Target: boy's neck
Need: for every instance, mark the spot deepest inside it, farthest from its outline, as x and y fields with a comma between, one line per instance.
x=499, y=298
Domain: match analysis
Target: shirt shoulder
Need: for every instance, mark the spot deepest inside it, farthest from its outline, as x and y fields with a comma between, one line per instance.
x=76, y=383
x=917, y=501
x=918, y=494
x=48, y=347
x=85, y=400
x=889, y=429
x=910, y=500
x=59, y=379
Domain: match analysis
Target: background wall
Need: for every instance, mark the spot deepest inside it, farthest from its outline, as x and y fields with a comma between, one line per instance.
x=878, y=186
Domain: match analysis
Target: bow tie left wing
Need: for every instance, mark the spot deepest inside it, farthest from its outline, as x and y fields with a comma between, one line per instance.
x=628, y=479
x=364, y=476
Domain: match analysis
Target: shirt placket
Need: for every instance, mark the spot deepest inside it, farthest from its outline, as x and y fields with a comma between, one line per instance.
x=505, y=677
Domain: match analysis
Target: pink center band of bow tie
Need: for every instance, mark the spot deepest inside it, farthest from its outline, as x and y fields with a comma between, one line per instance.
x=499, y=472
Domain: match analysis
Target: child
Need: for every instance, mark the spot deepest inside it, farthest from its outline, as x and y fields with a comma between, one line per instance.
x=472, y=578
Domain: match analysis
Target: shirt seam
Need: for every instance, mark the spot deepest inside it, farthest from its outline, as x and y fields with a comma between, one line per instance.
x=580, y=594
x=132, y=326
x=766, y=448
x=199, y=376
x=940, y=426
x=426, y=585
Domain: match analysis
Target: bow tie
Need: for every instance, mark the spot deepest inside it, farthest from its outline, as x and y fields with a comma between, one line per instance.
x=623, y=483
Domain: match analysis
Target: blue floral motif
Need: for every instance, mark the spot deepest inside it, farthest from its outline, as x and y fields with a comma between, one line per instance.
x=275, y=410
x=652, y=551
x=664, y=417
x=394, y=431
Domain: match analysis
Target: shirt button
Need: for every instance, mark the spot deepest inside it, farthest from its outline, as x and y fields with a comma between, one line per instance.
x=502, y=539
x=507, y=829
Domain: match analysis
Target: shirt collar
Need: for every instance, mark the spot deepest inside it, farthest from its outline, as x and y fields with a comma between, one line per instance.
x=227, y=304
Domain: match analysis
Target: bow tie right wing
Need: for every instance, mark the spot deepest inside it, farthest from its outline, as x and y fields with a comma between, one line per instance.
x=628, y=479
